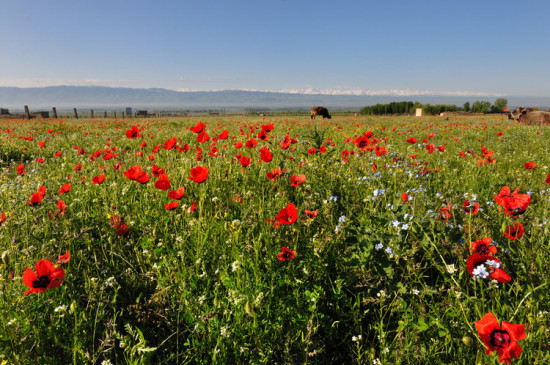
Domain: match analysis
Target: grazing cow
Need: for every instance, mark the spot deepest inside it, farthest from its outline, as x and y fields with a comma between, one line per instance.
x=320, y=110
x=516, y=113
x=530, y=116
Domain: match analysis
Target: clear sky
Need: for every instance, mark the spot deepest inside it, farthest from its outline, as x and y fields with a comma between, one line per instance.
x=454, y=47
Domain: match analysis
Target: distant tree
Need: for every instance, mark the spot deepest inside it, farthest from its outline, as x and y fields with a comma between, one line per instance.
x=4, y=111
x=481, y=106
x=467, y=106
x=499, y=105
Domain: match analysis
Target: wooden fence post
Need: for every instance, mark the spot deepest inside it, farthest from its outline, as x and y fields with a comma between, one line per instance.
x=92, y=113
x=75, y=113
x=105, y=116
x=54, y=112
x=115, y=115
x=27, y=114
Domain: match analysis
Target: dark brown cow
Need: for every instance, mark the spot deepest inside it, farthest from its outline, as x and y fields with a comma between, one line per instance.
x=320, y=110
x=530, y=116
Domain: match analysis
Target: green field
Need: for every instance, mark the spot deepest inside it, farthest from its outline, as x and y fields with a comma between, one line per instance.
x=373, y=277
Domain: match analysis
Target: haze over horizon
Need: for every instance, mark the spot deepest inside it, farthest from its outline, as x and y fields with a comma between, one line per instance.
x=492, y=48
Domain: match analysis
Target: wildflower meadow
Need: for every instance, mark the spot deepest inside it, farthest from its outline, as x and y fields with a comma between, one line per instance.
x=250, y=240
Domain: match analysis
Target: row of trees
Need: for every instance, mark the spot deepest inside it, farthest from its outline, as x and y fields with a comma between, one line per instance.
x=408, y=107
x=4, y=111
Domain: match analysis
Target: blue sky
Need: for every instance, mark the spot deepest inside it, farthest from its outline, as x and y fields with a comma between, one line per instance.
x=442, y=47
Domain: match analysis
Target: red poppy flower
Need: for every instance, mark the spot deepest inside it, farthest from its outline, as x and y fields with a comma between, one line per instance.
x=548, y=179
x=198, y=174
x=199, y=127
x=238, y=144
x=444, y=213
x=470, y=207
x=37, y=197
x=251, y=143
x=41, y=144
x=285, y=143
x=245, y=161
x=266, y=155
x=322, y=149
x=2, y=219
x=214, y=152
x=286, y=215
x=143, y=178
x=501, y=338
x=20, y=169
x=192, y=207
x=65, y=188
x=530, y=165
x=62, y=207
x=96, y=180
x=312, y=151
x=171, y=206
x=276, y=173
x=133, y=132
x=77, y=167
x=157, y=171
x=312, y=214
x=514, y=203
x=404, y=197
x=122, y=230
x=223, y=135
x=486, y=266
x=57, y=154
x=345, y=155
x=134, y=172
x=362, y=142
x=47, y=276
x=40, y=160
x=170, y=143
x=297, y=180
x=515, y=231
x=203, y=137
x=286, y=254
x=163, y=183
x=483, y=246
x=176, y=194
x=108, y=156
x=63, y=259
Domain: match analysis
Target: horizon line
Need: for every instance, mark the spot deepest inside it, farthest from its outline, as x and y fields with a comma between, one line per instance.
x=303, y=91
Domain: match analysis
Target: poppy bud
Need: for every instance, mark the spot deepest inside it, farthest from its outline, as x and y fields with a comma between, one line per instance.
x=6, y=257
x=248, y=309
x=468, y=341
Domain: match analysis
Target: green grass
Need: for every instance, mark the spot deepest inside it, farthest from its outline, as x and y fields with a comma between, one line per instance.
x=207, y=287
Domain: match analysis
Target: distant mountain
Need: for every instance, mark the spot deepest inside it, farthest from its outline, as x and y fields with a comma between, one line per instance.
x=109, y=97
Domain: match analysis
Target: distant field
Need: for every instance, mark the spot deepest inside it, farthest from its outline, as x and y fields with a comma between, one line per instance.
x=274, y=240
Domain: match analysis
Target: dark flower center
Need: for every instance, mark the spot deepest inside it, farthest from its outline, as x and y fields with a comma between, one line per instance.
x=287, y=254
x=362, y=144
x=483, y=250
x=516, y=211
x=500, y=339
x=42, y=282
x=469, y=208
